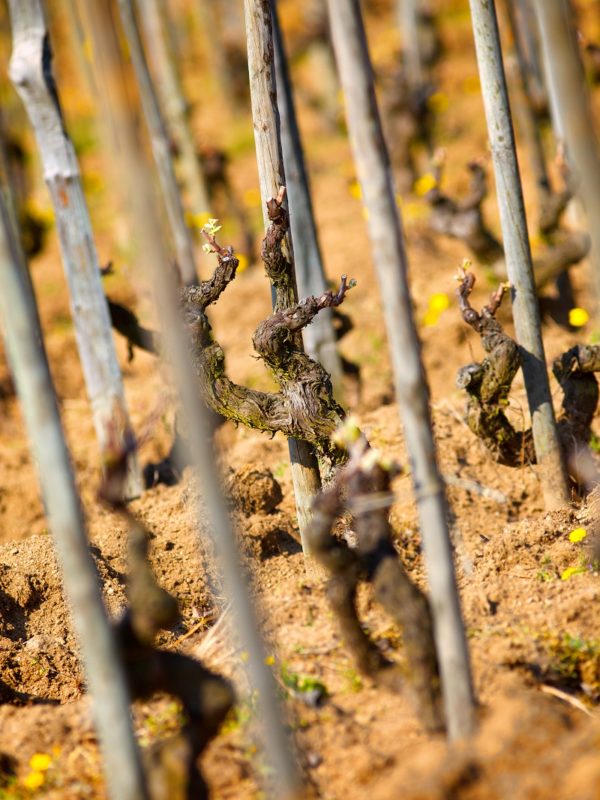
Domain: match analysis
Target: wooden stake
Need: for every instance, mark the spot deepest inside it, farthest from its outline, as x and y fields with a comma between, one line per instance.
x=161, y=149
x=261, y=67
x=374, y=171
x=407, y=13
x=212, y=513
x=173, y=101
x=31, y=74
x=571, y=113
x=319, y=337
x=526, y=311
x=101, y=661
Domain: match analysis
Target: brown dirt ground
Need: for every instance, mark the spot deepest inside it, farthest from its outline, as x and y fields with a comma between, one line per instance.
x=530, y=632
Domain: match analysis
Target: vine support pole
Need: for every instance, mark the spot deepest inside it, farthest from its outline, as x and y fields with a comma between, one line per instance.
x=152, y=18
x=265, y=116
x=100, y=656
x=385, y=230
x=571, y=113
x=407, y=14
x=161, y=147
x=526, y=311
x=319, y=337
x=31, y=74
x=120, y=124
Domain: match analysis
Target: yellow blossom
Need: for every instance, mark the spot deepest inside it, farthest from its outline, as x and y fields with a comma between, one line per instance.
x=431, y=317
x=425, y=184
x=439, y=301
x=198, y=220
x=34, y=780
x=40, y=762
x=438, y=102
x=578, y=317
x=570, y=571
x=578, y=535
x=355, y=190
x=269, y=661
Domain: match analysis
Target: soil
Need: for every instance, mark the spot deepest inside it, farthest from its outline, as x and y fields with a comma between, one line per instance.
x=534, y=636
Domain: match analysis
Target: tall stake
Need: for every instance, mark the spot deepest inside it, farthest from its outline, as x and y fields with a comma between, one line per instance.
x=101, y=660
x=407, y=13
x=374, y=171
x=261, y=68
x=526, y=311
x=319, y=337
x=571, y=110
x=160, y=54
x=31, y=74
x=161, y=149
x=212, y=512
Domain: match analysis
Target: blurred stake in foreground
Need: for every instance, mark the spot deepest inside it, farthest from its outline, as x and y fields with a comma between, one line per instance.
x=319, y=337
x=161, y=148
x=263, y=94
x=372, y=160
x=101, y=661
x=526, y=312
x=132, y=171
x=31, y=74
x=571, y=111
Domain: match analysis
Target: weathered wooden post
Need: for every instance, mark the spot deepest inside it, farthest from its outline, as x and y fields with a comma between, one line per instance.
x=385, y=230
x=101, y=660
x=571, y=114
x=31, y=74
x=526, y=311
x=212, y=514
x=170, y=91
x=319, y=337
x=182, y=237
x=261, y=67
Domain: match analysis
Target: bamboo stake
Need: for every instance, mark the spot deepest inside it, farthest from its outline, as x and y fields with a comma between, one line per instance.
x=31, y=74
x=101, y=660
x=212, y=511
x=528, y=116
x=173, y=101
x=161, y=149
x=407, y=12
x=526, y=32
x=526, y=311
x=319, y=337
x=571, y=111
x=305, y=469
x=374, y=170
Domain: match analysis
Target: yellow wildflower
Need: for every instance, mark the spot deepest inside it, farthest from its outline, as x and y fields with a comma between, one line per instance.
x=438, y=102
x=439, y=301
x=40, y=762
x=198, y=220
x=578, y=317
x=578, y=535
x=425, y=184
x=355, y=190
x=570, y=571
x=34, y=780
x=269, y=661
